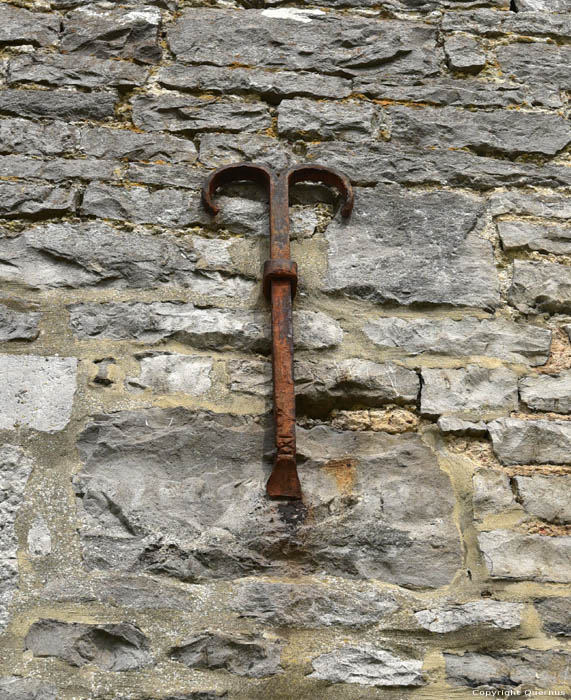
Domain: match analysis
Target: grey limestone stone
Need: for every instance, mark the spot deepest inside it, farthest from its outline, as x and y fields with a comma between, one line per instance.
x=58, y=169
x=167, y=373
x=451, y=618
x=168, y=517
x=132, y=146
x=547, y=238
x=39, y=538
x=555, y=615
x=468, y=392
x=86, y=71
x=20, y=26
x=541, y=286
x=17, y=199
x=18, y=325
x=519, y=556
x=250, y=377
x=367, y=665
x=457, y=426
x=464, y=53
x=58, y=104
x=512, y=342
x=543, y=5
x=537, y=63
x=22, y=136
x=487, y=22
x=36, y=392
x=546, y=497
x=546, y=206
x=116, y=32
x=412, y=248
x=272, y=85
x=311, y=120
x=222, y=149
x=492, y=493
x=112, y=647
x=15, y=468
x=204, y=328
x=517, y=441
x=543, y=392
x=509, y=133
x=510, y=670
x=17, y=688
x=313, y=606
x=307, y=40
x=166, y=175
x=184, y=113
x=244, y=655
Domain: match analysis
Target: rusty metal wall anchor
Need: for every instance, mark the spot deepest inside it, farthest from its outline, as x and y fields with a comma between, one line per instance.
x=279, y=284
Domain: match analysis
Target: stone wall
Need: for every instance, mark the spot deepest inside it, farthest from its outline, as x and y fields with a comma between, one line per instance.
x=431, y=555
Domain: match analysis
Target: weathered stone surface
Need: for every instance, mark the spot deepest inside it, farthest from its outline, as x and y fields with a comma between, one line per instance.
x=534, y=669
x=36, y=392
x=515, y=555
x=469, y=392
x=543, y=392
x=15, y=468
x=541, y=286
x=388, y=420
x=464, y=53
x=489, y=23
x=222, y=149
x=24, y=199
x=311, y=40
x=250, y=377
x=166, y=175
x=244, y=655
x=537, y=63
x=456, y=426
x=518, y=441
x=18, y=325
x=505, y=133
x=547, y=238
x=451, y=618
x=492, y=493
x=16, y=688
x=196, y=695
x=20, y=26
x=168, y=373
x=90, y=254
x=470, y=336
x=167, y=517
x=129, y=145
x=311, y=120
x=387, y=259
x=58, y=169
x=193, y=114
x=546, y=497
x=113, y=647
x=55, y=69
x=312, y=606
x=367, y=665
x=22, y=136
x=548, y=206
x=58, y=104
x=544, y=5
x=39, y=539
x=555, y=615
x=272, y=85
x=117, y=32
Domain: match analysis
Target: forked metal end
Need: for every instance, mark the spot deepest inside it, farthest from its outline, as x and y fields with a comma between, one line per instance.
x=284, y=481
x=232, y=173
x=327, y=176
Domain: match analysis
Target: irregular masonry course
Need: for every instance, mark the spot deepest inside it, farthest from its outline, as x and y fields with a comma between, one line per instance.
x=517, y=441
x=544, y=392
x=546, y=238
x=451, y=618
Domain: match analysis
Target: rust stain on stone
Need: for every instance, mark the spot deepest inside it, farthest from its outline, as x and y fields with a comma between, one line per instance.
x=344, y=471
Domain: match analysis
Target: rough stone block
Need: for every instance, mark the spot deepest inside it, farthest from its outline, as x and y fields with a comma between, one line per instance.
x=192, y=115
x=412, y=248
x=546, y=497
x=555, y=615
x=36, y=392
x=543, y=392
x=519, y=556
x=464, y=53
x=451, y=618
x=492, y=493
x=367, y=665
x=18, y=325
x=170, y=373
x=167, y=517
x=58, y=169
x=456, y=426
x=543, y=205
x=311, y=120
x=512, y=342
x=20, y=26
x=222, y=149
x=58, y=104
x=244, y=655
x=15, y=468
x=518, y=441
x=18, y=199
x=166, y=175
x=129, y=145
x=509, y=133
x=543, y=5
x=310, y=40
x=541, y=286
x=547, y=238
x=537, y=63
x=49, y=139
x=486, y=22
x=116, y=32
x=39, y=538
x=17, y=688
x=469, y=392
x=113, y=647
x=313, y=606
x=508, y=670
